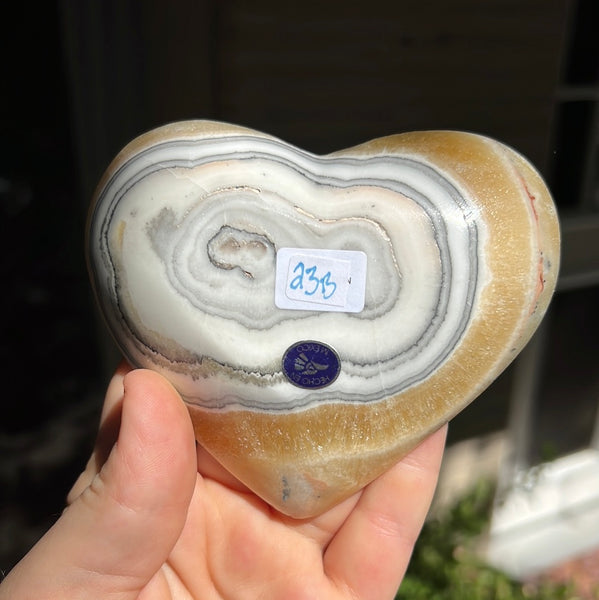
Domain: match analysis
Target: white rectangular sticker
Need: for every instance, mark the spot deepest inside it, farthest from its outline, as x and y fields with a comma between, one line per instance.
x=322, y=280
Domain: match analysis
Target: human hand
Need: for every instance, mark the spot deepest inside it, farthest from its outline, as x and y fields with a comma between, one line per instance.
x=155, y=517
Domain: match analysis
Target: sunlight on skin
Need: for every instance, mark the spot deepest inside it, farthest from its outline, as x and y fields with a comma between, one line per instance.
x=154, y=517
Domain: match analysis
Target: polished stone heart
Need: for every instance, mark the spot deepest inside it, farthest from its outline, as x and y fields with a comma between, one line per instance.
x=320, y=315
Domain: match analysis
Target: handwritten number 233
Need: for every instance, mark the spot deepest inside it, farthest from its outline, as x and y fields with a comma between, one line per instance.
x=312, y=282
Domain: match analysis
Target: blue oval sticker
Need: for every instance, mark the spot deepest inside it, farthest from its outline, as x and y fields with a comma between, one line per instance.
x=311, y=365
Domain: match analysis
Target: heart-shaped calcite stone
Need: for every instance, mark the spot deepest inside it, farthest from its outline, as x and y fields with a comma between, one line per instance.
x=320, y=315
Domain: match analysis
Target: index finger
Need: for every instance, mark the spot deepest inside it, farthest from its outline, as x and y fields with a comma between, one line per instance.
x=110, y=420
x=370, y=553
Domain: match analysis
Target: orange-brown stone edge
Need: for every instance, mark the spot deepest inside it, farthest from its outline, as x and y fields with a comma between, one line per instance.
x=347, y=445
x=326, y=441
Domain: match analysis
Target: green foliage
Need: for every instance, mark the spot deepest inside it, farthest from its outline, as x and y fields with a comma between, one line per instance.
x=445, y=566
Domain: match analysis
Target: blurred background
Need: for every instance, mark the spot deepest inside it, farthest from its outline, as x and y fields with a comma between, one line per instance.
x=81, y=79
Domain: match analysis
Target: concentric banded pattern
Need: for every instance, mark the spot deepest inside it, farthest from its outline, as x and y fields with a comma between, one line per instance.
x=462, y=245
x=188, y=233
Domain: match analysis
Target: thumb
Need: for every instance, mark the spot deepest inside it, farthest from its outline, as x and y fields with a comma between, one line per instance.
x=120, y=530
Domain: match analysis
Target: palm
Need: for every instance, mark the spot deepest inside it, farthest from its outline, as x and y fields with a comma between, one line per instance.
x=233, y=545
x=214, y=538
x=154, y=517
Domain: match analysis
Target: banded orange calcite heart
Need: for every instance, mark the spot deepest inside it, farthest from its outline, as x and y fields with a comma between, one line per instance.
x=320, y=315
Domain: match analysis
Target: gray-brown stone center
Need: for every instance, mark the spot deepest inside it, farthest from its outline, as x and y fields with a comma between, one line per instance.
x=233, y=248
